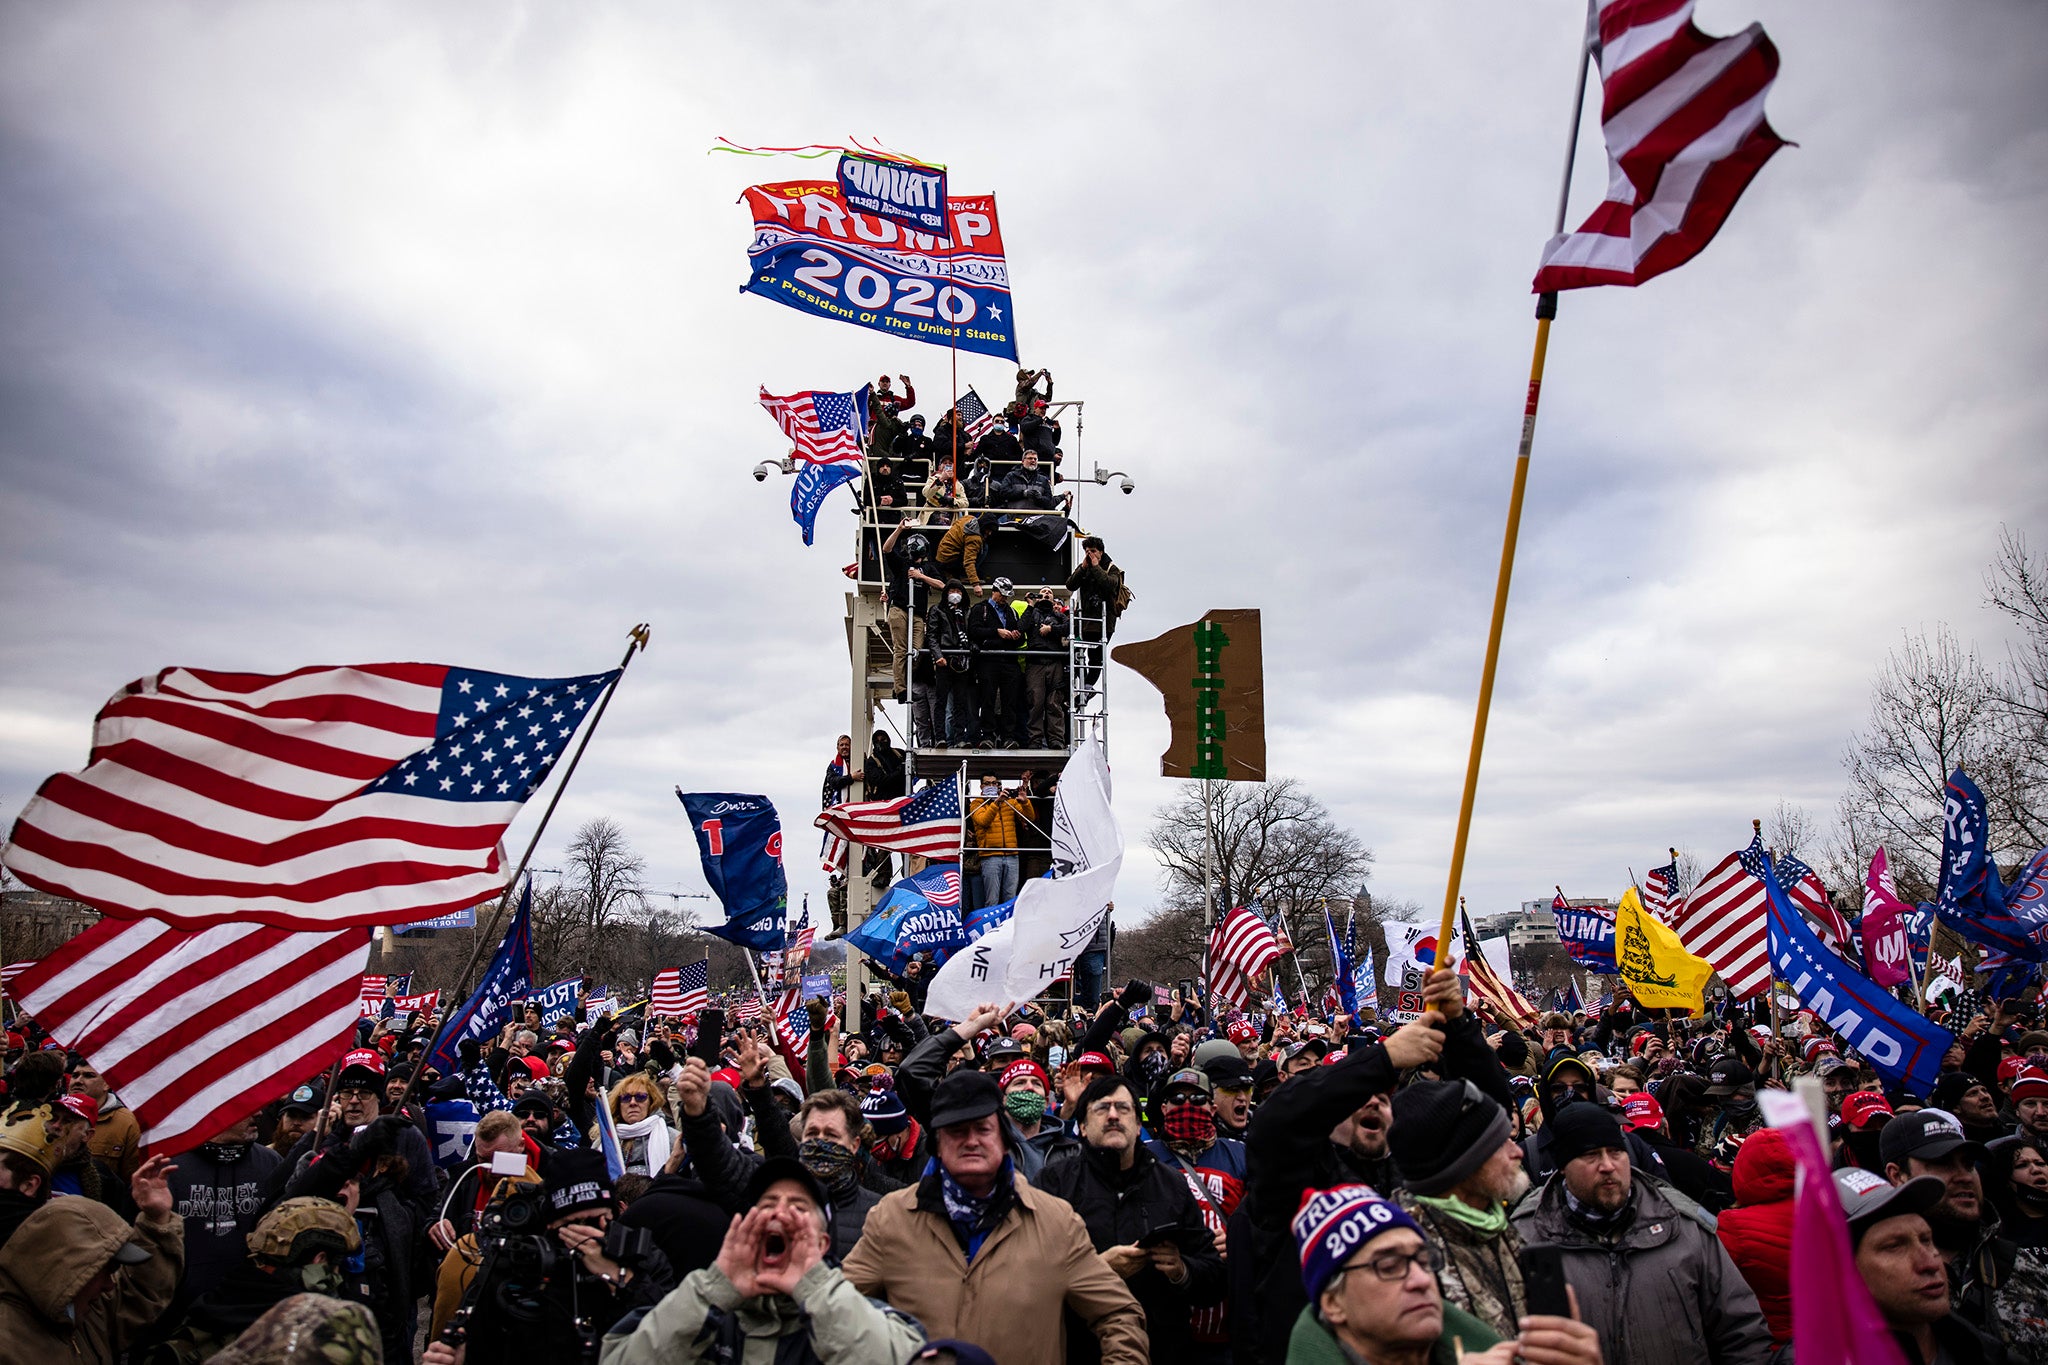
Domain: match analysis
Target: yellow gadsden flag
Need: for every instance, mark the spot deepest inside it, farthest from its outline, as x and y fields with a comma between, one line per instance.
x=1660, y=973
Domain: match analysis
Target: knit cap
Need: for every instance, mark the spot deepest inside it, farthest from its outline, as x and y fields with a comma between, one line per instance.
x=1444, y=1131
x=1332, y=1225
x=1577, y=1129
x=884, y=1111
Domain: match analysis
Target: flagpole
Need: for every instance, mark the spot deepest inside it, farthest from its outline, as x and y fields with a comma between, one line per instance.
x=1546, y=309
x=636, y=642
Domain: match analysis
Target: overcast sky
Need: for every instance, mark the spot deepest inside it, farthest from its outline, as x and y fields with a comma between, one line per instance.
x=337, y=334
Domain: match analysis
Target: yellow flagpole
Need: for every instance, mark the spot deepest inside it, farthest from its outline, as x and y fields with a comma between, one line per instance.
x=1546, y=309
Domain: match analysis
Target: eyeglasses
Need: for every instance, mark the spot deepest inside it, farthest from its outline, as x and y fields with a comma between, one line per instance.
x=1393, y=1265
x=633, y=1099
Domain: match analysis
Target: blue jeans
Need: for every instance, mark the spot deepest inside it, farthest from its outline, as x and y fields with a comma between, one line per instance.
x=998, y=878
x=1088, y=972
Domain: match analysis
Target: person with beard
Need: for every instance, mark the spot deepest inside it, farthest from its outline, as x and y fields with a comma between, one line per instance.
x=218, y=1188
x=1898, y=1262
x=1142, y=1218
x=772, y=1296
x=1461, y=1170
x=2029, y=1097
x=2015, y=1177
x=1932, y=1142
x=1973, y=1102
x=295, y=1116
x=296, y=1248
x=1731, y=1110
x=1639, y=1263
x=1570, y=1081
x=1214, y=1168
x=1328, y=1126
x=25, y=1159
x=1230, y=1079
x=1758, y=1231
x=78, y=1171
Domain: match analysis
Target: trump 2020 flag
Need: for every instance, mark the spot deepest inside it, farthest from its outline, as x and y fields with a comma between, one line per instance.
x=1903, y=1045
x=556, y=1002
x=739, y=839
x=920, y=914
x=508, y=978
x=807, y=494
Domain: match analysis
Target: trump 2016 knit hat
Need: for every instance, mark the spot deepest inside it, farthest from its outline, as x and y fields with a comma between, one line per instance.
x=1444, y=1131
x=1332, y=1225
x=884, y=1111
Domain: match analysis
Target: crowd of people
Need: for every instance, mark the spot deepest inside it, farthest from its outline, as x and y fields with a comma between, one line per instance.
x=1135, y=1180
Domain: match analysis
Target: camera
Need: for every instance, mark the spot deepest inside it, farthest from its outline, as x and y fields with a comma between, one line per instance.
x=1127, y=486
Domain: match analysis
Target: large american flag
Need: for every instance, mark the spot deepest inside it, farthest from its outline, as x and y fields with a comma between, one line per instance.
x=1804, y=888
x=364, y=794
x=1660, y=891
x=199, y=1028
x=1241, y=947
x=1683, y=118
x=682, y=990
x=825, y=428
x=927, y=824
x=1496, y=997
x=1726, y=921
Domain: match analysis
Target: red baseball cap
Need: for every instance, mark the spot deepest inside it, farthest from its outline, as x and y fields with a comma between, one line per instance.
x=1091, y=1061
x=1642, y=1110
x=2030, y=1084
x=362, y=1059
x=1242, y=1032
x=1024, y=1066
x=85, y=1106
x=1859, y=1109
x=536, y=1067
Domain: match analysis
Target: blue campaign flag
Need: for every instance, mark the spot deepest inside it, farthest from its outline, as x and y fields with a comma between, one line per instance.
x=1570, y=1003
x=508, y=978
x=454, y=1130
x=813, y=482
x=920, y=914
x=1973, y=901
x=912, y=195
x=1587, y=932
x=739, y=839
x=1347, y=988
x=454, y=919
x=817, y=986
x=1903, y=1045
x=557, y=1001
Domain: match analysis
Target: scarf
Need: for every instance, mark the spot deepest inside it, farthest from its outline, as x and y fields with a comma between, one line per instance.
x=1594, y=1221
x=644, y=1146
x=836, y=1168
x=974, y=1217
x=1487, y=1222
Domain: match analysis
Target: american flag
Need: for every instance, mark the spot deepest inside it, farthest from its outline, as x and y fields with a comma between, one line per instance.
x=1660, y=891
x=975, y=418
x=827, y=428
x=1493, y=995
x=12, y=970
x=370, y=794
x=1804, y=888
x=198, y=1028
x=1683, y=118
x=1241, y=947
x=748, y=1008
x=1726, y=921
x=375, y=988
x=682, y=990
x=927, y=824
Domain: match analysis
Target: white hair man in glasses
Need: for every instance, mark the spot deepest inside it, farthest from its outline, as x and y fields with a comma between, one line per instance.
x=1370, y=1276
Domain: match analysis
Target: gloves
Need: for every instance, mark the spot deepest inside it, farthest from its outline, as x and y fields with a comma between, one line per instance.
x=900, y=1001
x=1134, y=994
x=816, y=1009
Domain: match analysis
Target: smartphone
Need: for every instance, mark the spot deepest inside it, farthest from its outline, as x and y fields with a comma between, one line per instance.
x=1187, y=987
x=1543, y=1279
x=1160, y=1236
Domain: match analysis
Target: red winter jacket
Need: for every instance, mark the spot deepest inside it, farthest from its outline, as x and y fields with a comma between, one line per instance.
x=1758, y=1230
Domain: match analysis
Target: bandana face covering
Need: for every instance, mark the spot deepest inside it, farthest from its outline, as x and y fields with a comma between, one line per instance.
x=1024, y=1104
x=1153, y=1065
x=1190, y=1125
x=837, y=1169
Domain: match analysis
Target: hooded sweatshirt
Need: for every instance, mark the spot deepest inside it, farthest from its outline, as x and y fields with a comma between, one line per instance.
x=54, y=1254
x=219, y=1192
x=1758, y=1230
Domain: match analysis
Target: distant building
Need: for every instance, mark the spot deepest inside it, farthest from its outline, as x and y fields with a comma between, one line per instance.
x=34, y=922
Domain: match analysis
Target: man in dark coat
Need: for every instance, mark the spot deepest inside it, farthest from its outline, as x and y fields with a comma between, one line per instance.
x=998, y=636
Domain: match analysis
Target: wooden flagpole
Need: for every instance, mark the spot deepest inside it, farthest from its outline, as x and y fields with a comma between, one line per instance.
x=1546, y=309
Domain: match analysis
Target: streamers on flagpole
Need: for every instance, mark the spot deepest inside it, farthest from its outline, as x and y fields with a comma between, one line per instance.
x=1546, y=309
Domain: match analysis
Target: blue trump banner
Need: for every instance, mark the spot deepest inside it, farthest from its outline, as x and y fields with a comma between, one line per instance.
x=454, y=919
x=1587, y=932
x=900, y=191
x=1903, y=1045
x=812, y=252
x=557, y=1001
x=508, y=978
x=920, y=914
x=1972, y=900
x=813, y=483
x=1340, y=965
x=453, y=1124
x=739, y=839
x=817, y=987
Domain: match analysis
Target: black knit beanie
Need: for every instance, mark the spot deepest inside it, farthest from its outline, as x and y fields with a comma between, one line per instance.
x=1443, y=1131
x=1579, y=1128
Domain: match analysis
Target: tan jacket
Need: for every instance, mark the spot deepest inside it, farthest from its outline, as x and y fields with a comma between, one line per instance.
x=53, y=1254
x=117, y=1140
x=1036, y=1262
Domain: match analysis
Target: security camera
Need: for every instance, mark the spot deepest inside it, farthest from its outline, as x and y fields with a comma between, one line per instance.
x=767, y=467
x=760, y=473
x=1127, y=486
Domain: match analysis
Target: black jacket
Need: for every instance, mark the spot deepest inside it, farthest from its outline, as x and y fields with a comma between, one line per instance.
x=945, y=632
x=1099, y=589
x=988, y=617
x=1041, y=434
x=688, y=1224
x=1045, y=614
x=884, y=481
x=1120, y=1207
x=1023, y=487
x=999, y=446
x=913, y=451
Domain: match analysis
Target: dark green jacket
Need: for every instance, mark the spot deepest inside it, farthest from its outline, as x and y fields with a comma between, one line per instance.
x=1314, y=1344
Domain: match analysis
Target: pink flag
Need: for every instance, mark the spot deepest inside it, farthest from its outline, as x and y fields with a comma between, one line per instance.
x=1834, y=1319
x=1884, y=925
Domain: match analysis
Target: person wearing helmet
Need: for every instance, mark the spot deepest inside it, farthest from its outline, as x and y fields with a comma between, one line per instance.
x=296, y=1248
x=27, y=1156
x=907, y=569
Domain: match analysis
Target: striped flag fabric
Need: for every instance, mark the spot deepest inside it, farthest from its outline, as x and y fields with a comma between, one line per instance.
x=682, y=990
x=197, y=1029
x=1682, y=115
x=1241, y=948
x=825, y=428
x=1803, y=887
x=975, y=418
x=927, y=824
x=330, y=796
x=1660, y=891
x=1490, y=992
x=12, y=970
x=374, y=989
x=1726, y=921
x=747, y=1008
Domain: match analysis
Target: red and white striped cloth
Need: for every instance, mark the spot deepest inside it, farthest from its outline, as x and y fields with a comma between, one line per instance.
x=927, y=824
x=681, y=990
x=371, y=794
x=1726, y=921
x=1683, y=118
x=12, y=970
x=197, y=1029
x=1810, y=895
x=1241, y=948
x=375, y=988
x=825, y=428
x=1493, y=995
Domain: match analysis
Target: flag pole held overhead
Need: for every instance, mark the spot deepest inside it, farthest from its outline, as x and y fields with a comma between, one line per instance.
x=1546, y=309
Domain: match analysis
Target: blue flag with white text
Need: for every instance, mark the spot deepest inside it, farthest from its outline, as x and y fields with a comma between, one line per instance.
x=919, y=914
x=739, y=840
x=813, y=482
x=1973, y=901
x=1903, y=1045
x=489, y=1007
x=557, y=1001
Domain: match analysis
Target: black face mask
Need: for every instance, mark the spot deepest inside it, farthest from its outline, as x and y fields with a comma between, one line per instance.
x=1864, y=1148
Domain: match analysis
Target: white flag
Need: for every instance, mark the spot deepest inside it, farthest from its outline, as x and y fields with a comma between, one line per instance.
x=1404, y=971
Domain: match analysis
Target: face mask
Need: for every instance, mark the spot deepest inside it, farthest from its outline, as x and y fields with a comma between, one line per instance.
x=1153, y=1065
x=1190, y=1125
x=837, y=1168
x=320, y=1279
x=1025, y=1105
x=952, y=599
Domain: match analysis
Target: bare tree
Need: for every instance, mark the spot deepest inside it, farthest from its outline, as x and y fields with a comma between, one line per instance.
x=1933, y=709
x=1790, y=831
x=604, y=874
x=2017, y=587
